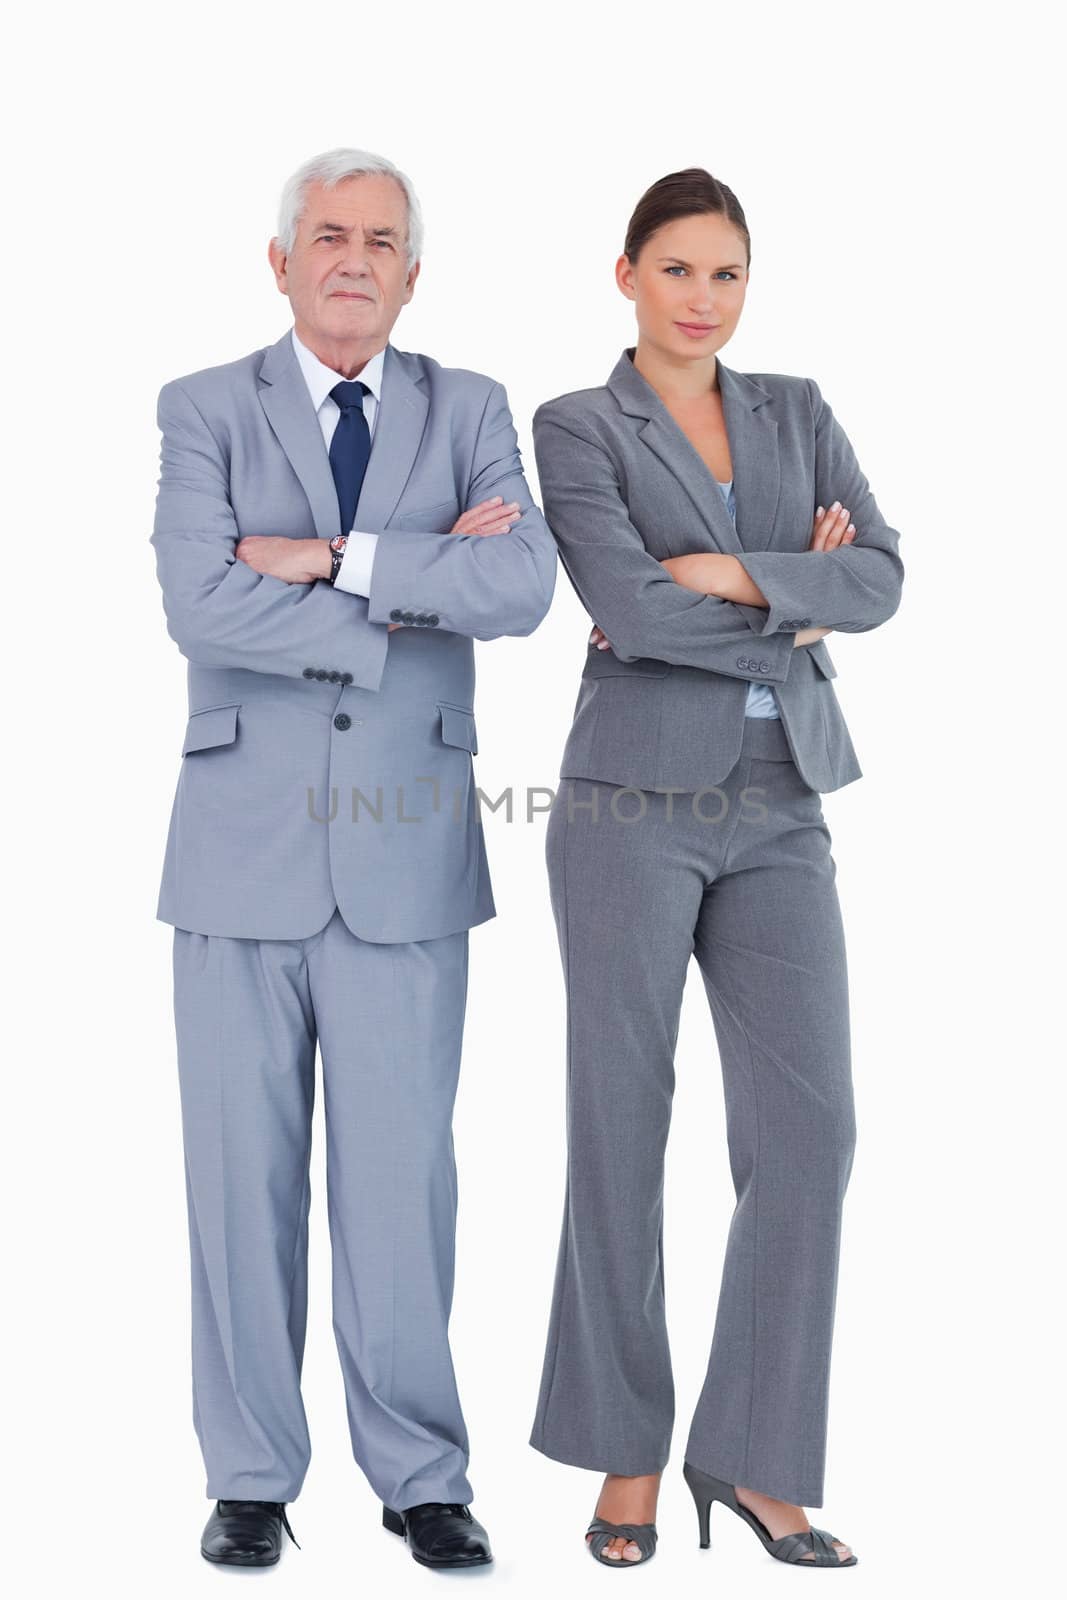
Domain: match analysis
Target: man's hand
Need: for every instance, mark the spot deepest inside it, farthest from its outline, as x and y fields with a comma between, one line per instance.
x=291, y=560
x=488, y=517
x=306, y=560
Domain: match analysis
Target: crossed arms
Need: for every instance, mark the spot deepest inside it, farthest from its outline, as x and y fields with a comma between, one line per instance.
x=703, y=610
x=222, y=612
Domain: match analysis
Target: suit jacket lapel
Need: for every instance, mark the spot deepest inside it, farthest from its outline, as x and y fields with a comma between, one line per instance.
x=753, y=436
x=402, y=410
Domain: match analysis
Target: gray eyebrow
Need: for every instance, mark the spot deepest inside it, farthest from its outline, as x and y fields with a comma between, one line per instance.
x=338, y=227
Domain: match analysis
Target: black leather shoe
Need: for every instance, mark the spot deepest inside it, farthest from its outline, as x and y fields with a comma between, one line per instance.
x=440, y=1536
x=245, y=1533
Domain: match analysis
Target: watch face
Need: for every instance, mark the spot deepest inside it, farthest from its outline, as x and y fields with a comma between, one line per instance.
x=338, y=541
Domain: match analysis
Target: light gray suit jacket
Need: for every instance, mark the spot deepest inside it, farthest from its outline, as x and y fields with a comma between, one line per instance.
x=302, y=705
x=623, y=488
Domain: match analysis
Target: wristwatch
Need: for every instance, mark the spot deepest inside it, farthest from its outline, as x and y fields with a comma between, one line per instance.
x=337, y=551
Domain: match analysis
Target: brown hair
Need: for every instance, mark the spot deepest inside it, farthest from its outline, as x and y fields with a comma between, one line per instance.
x=681, y=194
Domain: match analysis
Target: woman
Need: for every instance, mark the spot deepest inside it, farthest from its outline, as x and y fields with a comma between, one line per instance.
x=716, y=526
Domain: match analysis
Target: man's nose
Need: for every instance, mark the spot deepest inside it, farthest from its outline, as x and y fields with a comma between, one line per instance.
x=356, y=261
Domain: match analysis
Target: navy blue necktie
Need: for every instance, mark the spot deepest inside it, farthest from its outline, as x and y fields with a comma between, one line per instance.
x=349, y=448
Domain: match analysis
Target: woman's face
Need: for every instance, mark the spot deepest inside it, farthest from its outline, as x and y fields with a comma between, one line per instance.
x=688, y=286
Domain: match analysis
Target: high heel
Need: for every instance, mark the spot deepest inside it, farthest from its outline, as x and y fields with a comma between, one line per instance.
x=791, y=1547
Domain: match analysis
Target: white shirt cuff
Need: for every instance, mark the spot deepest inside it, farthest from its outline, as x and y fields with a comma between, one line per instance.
x=356, y=563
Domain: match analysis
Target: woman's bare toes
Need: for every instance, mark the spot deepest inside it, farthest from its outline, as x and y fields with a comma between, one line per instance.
x=844, y=1551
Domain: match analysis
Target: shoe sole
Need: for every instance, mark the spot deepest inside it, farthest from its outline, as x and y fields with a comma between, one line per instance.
x=475, y=1561
x=241, y=1561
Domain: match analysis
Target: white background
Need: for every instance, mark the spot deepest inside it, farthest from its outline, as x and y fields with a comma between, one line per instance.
x=895, y=165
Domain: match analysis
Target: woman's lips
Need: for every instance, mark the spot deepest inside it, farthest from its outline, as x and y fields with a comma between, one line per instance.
x=698, y=330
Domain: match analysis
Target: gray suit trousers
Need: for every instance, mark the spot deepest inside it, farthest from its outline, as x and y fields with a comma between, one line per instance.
x=388, y=1019
x=742, y=876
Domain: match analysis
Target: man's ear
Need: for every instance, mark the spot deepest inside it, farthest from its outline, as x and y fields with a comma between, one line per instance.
x=278, y=261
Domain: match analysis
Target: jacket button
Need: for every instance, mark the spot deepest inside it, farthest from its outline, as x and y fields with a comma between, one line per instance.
x=322, y=674
x=396, y=616
x=765, y=666
x=346, y=677
x=309, y=672
x=408, y=617
x=342, y=721
x=335, y=677
x=433, y=619
x=421, y=620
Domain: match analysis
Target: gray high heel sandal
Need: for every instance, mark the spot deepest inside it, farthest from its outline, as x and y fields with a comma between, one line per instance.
x=791, y=1547
x=643, y=1535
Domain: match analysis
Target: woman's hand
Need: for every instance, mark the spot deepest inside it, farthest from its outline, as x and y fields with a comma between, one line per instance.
x=805, y=636
x=832, y=528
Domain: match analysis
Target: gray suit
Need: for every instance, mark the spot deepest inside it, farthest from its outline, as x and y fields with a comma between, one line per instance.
x=684, y=828
x=623, y=488
x=324, y=863
x=264, y=754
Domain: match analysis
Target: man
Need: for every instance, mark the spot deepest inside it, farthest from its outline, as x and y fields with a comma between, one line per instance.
x=325, y=858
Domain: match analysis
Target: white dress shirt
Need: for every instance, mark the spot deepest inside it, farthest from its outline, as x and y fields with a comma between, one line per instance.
x=358, y=559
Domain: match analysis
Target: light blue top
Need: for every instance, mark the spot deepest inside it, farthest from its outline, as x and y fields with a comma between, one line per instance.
x=760, y=701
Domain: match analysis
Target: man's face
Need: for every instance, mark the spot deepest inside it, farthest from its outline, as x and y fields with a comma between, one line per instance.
x=346, y=276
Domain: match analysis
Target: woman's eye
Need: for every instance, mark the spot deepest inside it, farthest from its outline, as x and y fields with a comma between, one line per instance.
x=725, y=273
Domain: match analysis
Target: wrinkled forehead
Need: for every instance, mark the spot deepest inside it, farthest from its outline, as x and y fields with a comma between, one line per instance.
x=375, y=204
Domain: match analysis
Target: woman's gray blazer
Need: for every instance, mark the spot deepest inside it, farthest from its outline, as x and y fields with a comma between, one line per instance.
x=622, y=488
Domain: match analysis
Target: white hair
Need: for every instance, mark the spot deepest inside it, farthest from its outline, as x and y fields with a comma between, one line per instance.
x=330, y=169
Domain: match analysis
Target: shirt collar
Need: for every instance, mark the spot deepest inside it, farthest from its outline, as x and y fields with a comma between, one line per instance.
x=320, y=378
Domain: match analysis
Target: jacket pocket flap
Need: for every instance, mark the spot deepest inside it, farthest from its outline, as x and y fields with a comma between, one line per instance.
x=821, y=657
x=216, y=725
x=457, y=726
x=437, y=518
x=606, y=664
